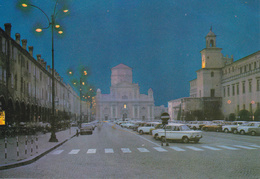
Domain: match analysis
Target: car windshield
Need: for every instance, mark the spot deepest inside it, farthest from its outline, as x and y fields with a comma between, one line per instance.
x=185, y=128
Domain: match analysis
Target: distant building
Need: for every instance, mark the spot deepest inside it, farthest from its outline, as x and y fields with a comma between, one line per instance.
x=124, y=100
x=222, y=87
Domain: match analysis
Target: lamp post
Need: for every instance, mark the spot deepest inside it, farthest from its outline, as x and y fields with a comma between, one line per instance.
x=51, y=24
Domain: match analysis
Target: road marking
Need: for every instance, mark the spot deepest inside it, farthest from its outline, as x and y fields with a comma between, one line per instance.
x=57, y=152
x=194, y=148
x=226, y=147
x=255, y=146
x=109, y=151
x=160, y=149
x=143, y=150
x=91, y=151
x=211, y=148
x=177, y=148
x=75, y=151
x=243, y=147
x=126, y=150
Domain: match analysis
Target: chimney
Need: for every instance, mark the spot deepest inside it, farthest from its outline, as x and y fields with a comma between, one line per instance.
x=31, y=50
x=39, y=57
x=17, y=38
x=8, y=27
x=24, y=43
x=49, y=68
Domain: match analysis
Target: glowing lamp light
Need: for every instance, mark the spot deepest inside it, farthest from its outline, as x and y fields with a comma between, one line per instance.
x=65, y=10
x=38, y=30
x=70, y=73
x=57, y=26
x=60, y=32
x=229, y=101
x=252, y=102
x=83, y=83
x=74, y=83
x=85, y=72
x=24, y=5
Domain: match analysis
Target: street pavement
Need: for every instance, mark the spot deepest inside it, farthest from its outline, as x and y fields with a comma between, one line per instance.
x=37, y=146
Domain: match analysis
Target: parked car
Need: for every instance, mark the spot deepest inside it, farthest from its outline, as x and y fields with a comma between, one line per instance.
x=244, y=129
x=254, y=130
x=233, y=125
x=146, y=128
x=158, y=126
x=86, y=128
x=138, y=124
x=176, y=131
x=194, y=124
x=212, y=127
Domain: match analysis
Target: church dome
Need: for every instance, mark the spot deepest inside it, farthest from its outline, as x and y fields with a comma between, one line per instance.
x=211, y=33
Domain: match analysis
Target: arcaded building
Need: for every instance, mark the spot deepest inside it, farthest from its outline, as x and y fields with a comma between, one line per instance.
x=222, y=87
x=124, y=100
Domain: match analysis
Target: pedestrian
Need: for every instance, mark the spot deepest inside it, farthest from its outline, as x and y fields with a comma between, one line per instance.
x=77, y=133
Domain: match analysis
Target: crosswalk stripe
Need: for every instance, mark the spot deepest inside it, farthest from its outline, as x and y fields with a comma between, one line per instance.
x=244, y=147
x=194, y=148
x=143, y=150
x=57, y=152
x=75, y=151
x=258, y=146
x=211, y=148
x=109, y=151
x=91, y=151
x=226, y=147
x=177, y=148
x=160, y=149
x=126, y=150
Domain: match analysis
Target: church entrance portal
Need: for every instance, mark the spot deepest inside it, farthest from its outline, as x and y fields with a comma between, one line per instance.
x=124, y=116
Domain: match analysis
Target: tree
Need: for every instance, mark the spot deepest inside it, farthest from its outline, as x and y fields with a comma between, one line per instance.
x=232, y=117
x=244, y=115
x=257, y=115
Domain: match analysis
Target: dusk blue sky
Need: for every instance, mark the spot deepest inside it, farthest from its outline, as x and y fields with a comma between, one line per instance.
x=160, y=39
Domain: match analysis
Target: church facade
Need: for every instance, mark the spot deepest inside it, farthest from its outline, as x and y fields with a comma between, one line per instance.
x=223, y=87
x=124, y=100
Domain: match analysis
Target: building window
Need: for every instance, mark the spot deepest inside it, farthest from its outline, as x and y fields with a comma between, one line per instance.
x=228, y=91
x=250, y=108
x=15, y=82
x=224, y=92
x=237, y=108
x=245, y=68
x=258, y=85
x=238, y=89
x=249, y=67
x=254, y=65
x=243, y=87
x=240, y=70
x=212, y=74
x=233, y=90
x=212, y=93
x=250, y=86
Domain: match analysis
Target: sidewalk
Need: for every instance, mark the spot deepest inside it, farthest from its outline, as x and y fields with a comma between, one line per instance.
x=35, y=150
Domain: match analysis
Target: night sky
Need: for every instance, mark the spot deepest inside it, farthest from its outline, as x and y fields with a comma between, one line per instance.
x=160, y=39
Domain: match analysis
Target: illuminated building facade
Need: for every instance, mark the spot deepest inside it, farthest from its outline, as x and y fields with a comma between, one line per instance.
x=222, y=87
x=124, y=100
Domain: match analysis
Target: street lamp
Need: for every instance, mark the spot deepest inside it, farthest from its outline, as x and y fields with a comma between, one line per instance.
x=52, y=24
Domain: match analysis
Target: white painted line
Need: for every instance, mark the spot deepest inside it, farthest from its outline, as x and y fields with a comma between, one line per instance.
x=226, y=147
x=126, y=150
x=177, y=149
x=243, y=147
x=143, y=150
x=258, y=146
x=91, y=151
x=211, y=148
x=57, y=152
x=107, y=151
x=146, y=139
x=160, y=149
x=75, y=151
x=194, y=148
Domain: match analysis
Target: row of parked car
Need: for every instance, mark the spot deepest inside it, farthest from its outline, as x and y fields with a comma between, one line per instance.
x=172, y=131
x=241, y=127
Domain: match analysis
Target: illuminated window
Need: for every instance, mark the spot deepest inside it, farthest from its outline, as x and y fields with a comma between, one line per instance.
x=124, y=106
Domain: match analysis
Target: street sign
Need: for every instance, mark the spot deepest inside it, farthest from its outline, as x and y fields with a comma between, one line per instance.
x=165, y=117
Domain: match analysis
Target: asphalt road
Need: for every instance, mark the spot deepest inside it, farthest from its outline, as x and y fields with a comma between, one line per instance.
x=113, y=152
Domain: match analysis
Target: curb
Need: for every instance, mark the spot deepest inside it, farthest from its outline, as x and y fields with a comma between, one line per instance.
x=32, y=159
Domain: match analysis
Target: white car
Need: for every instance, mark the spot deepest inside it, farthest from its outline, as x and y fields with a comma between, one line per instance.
x=178, y=132
x=195, y=124
x=146, y=128
x=244, y=129
x=235, y=124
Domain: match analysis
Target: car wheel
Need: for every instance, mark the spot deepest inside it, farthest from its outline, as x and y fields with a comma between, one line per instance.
x=226, y=130
x=235, y=131
x=156, y=137
x=253, y=133
x=242, y=132
x=185, y=140
x=141, y=132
